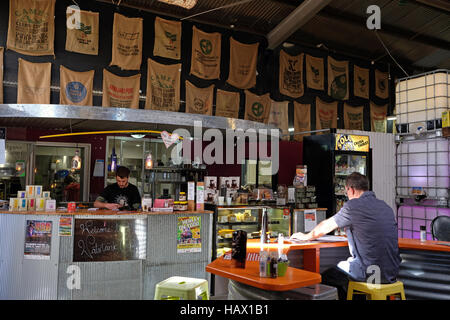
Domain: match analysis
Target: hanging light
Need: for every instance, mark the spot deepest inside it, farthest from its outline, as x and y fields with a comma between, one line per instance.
x=149, y=161
x=187, y=4
x=76, y=161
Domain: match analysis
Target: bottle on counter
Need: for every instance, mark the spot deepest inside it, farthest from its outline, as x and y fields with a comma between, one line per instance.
x=423, y=233
x=273, y=264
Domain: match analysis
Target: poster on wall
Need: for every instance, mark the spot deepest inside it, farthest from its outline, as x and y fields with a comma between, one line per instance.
x=120, y=92
x=127, y=42
x=257, y=108
x=326, y=114
x=361, y=82
x=378, y=117
x=167, y=39
x=189, y=234
x=291, y=75
x=75, y=87
x=353, y=117
x=31, y=28
x=302, y=120
x=33, y=82
x=205, y=58
x=82, y=31
x=381, y=84
x=314, y=72
x=338, y=79
x=38, y=239
x=279, y=117
x=65, y=226
x=163, y=86
x=243, y=60
x=227, y=104
x=199, y=100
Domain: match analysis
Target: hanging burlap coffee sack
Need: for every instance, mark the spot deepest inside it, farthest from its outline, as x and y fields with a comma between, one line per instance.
x=257, y=108
x=199, y=100
x=82, y=35
x=75, y=87
x=361, y=82
x=120, y=92
x=378, y=117
x=227, y=104
x=338, y=79
x=314, y=73
x=302, y=120
x=1, y=75
x=205, y=58
x=243, y=60
x=291, y=75
x=381, y=84
x=163, y=86
x=31, y=28
x=353, y=117
x=33, y=82
x=127, y=42
x=279, y=117
x=167, y=39
x=326, y=114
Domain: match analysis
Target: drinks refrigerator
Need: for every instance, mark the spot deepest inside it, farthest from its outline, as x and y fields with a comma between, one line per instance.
x=330, y=158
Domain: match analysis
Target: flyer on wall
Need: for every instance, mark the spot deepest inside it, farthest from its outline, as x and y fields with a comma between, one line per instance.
x=38, y=238
x=188, y=234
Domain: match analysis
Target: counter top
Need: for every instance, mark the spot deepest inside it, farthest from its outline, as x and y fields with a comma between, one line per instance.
x=293, y=279
x=101, y=212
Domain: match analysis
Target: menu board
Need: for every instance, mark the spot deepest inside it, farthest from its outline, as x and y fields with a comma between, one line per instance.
x=109, y=239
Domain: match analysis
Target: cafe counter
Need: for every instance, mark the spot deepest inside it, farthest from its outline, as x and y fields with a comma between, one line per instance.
x=103, y=254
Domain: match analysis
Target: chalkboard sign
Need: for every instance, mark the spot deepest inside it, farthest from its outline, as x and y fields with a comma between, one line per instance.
x=109, y=239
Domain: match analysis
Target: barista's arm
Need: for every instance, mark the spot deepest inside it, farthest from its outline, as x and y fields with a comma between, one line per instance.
x=101, y=203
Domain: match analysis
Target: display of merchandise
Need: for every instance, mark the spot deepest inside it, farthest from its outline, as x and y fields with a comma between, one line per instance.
x=305, y=198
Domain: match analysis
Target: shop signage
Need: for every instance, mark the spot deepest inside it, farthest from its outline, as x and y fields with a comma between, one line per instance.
x=109, y=239
x=350, y=142
x=38, y=239
x=189, y=234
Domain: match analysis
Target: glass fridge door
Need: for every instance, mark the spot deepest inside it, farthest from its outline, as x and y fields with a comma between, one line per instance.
x=346, y=164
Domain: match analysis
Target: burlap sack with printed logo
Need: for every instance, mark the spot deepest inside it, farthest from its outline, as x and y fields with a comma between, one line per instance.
x=326, y=114
x=291, y=75
x=243, y=60
x=338, y=79
x=167, y=39
x=302, y=120
x=353, y=117
x=1, y=75
x=227, y=104
x=314, y=73
x=205, y=57
x=127, y=42
x=361, y=82
x=76, y=87
x=33, y=82
x=378, y=116
x=381, y=84
x=31, y=28
x=163, y=86
x=82, y=36
x=120, y=92
x=279, y=117
x=257, y=108
x=199, y=100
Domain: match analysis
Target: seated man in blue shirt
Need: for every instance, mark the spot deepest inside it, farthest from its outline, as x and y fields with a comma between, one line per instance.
x=371, y=230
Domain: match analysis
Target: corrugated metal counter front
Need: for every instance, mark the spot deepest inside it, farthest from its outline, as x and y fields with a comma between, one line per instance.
x=55, y=255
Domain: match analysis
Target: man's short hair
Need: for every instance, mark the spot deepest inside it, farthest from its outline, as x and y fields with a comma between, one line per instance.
x=357, y=181
x=123, y=172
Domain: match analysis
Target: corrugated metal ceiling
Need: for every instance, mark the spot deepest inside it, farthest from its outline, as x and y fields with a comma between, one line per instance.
x=416, y=32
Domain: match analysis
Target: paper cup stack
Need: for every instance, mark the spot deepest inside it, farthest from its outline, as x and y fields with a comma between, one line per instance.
x=32, y=199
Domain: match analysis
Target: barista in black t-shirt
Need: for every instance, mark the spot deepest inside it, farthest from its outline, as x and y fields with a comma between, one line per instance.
x=120, y=195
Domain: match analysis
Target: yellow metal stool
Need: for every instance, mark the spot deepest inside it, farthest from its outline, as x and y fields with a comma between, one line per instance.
x=375, y=291
x=182, y=288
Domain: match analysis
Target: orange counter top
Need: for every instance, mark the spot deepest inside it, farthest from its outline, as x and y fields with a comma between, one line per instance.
x=293, y=279
x=100, y=212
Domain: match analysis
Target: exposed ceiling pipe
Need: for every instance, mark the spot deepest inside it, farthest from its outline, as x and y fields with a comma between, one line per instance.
x=300, y=16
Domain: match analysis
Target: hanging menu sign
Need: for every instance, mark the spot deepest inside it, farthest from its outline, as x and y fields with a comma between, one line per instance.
x=109, y=239
x=349, y=142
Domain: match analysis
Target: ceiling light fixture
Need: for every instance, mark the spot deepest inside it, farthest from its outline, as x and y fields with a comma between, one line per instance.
x=187, y=4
